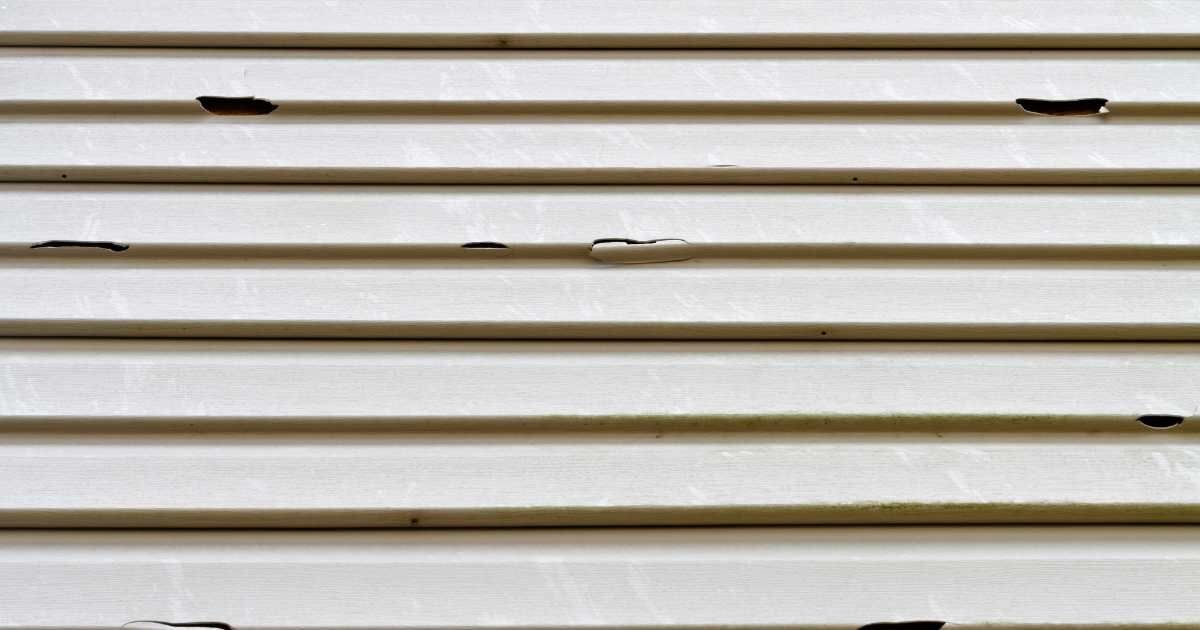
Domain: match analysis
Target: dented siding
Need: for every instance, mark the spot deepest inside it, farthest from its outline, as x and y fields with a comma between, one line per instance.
x=538, y=314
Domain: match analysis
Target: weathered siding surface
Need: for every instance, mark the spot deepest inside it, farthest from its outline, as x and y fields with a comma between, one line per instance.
x=606, y=23
x=947, y=345
x=1099, y=577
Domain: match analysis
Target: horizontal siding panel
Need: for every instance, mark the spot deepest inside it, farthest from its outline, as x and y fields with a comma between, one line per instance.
x=904, y=210
x=635, y=477
x=612, y=151
x=1101, y=577
x=1069, y=221
x=102, y=293
x=567, y=152
x=567, y=384
x=605, y=23
x=328, y=81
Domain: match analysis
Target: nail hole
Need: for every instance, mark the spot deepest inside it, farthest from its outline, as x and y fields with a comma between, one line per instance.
x=236, y=106
x=64, y=176
x=484, y=245
x=905, y=625
x=109, y=245
x=1076, y=107
x=1160, y=421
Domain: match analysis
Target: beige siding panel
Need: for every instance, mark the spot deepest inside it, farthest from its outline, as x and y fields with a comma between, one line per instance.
x=387, y=261
x=634, y=477
x=807, y=578
x=572, y=384
x=605, y=23
x=563, y=221
x=44, y=80
x=97, y=292
x=1047, y=151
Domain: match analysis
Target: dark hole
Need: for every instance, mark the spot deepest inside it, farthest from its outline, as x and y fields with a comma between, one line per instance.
x=109, y=245
x=627, y=241
x=236, y=106
x=1076, y=107
x=484, y=245
x=1161, y=421
x=216, y=625
x=905, y=625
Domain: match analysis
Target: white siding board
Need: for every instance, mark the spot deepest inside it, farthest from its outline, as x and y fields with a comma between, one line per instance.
x=326, y=81
x=616, y=151
x=991, y=299
x=101, y=293
x=831, y=220
x=809, y=578
x=605, y=23
x=635, y=477
x=432, y=383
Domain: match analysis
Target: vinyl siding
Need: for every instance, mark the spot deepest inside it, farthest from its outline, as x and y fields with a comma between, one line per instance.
x=599, y=314
x=1099, y=577
x=606, y=23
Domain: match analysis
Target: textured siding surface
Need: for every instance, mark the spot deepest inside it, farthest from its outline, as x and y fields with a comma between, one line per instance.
x=580, y=314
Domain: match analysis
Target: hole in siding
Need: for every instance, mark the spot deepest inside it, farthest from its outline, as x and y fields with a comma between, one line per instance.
x=1160, y=421
x=109, y=245
x=1076, y=107
x=484, y=245
x=216, y=625
x=627, y=241
x=236, y=105
x=628, y=250
x=905, y=625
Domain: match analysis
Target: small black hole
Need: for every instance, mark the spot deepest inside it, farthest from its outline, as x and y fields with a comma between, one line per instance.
x=215, y=625
x=1161, y=421
x=484, y=245
x=109, y=245
x=905, y=625
x=627, y=241
x=64, y=175
x=1075, y=107
x=236, y=106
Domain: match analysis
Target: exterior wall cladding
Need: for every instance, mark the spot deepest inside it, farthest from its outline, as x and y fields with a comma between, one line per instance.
x=689, y=314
